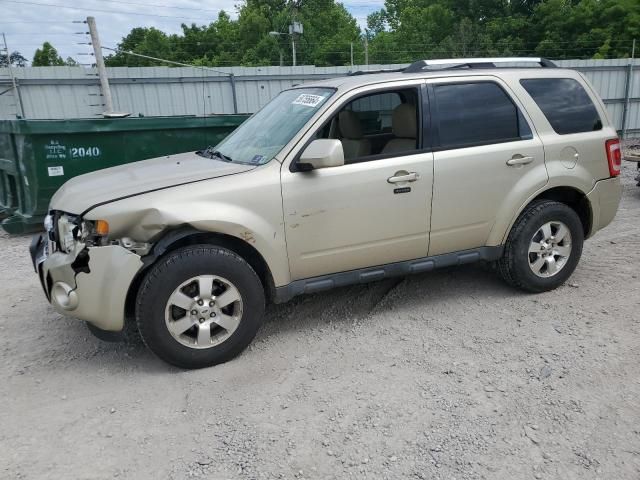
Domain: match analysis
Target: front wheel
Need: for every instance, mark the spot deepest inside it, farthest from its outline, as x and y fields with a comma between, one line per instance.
x=543, y=247
x=199, y=306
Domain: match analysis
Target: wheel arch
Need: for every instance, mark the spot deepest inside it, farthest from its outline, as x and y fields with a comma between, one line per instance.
x=573, y=197
x=173, y=239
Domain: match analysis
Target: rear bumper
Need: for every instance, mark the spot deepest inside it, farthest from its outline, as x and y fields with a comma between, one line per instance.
x=95, y=294
x=604, y=199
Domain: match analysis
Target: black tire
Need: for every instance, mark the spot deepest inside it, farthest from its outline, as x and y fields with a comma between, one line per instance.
x=514, y=264
x=178, y=267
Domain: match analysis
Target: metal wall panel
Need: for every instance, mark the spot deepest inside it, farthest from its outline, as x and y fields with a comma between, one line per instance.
x=74, y=92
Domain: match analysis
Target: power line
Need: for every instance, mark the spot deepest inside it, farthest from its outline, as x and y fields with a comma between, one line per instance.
x=119, y=12
x=123, y=12
x=161, y=6
x=180, y=64
x=21, y=22
x=48, y=34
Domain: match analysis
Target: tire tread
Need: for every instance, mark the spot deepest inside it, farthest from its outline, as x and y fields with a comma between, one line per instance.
x=160, y=269
x=507, y=263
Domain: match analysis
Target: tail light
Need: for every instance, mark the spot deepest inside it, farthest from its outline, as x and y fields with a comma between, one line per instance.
x=614, y=156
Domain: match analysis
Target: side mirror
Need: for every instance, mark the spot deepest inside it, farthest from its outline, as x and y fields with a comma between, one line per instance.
x=322, y=153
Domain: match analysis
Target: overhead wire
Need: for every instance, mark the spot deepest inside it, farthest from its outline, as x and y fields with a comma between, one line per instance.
x=156, y=5
x=115, y=12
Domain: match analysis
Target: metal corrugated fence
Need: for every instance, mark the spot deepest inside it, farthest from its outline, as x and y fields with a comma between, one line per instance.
x=74, y=92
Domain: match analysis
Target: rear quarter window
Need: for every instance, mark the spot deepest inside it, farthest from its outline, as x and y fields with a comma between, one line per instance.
x=565, y=103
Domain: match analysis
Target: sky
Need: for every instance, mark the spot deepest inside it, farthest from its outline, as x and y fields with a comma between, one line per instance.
x=29, y=23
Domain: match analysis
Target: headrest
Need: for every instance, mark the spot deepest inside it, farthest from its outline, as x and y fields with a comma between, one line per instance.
x=349, y=125
x=403, y=121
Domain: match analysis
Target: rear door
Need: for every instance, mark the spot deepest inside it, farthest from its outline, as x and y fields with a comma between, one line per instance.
x=487, y=160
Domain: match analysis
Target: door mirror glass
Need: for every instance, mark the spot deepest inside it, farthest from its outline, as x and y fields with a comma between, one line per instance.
x=322, y=153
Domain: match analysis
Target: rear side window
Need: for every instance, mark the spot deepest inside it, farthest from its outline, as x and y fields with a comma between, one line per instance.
x=565, y=103
x=476, y=114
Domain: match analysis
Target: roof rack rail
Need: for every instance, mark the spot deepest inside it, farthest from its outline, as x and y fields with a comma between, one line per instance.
x=450, y=63
x=382, y=70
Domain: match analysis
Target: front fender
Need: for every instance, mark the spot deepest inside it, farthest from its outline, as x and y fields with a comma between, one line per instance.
x=247, y=206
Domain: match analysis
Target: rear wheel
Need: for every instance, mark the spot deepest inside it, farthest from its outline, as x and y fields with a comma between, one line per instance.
x=543, y=247
x=199, y=306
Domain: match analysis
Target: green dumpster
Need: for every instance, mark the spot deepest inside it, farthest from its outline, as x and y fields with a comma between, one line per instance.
x=38, y=156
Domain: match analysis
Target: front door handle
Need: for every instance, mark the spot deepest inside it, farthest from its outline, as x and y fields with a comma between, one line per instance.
x=400, y=177
x=519, y=160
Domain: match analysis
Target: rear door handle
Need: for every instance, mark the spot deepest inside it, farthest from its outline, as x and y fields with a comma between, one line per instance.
x=519, y=160
x=403, y=177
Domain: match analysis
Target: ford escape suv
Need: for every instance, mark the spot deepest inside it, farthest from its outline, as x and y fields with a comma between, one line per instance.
x=344, y=181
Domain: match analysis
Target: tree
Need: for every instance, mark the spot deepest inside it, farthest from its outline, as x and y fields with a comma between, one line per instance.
x=145, y=41
x=401, y=31
x=328, y=31
x=47, y=56
x=15, y=60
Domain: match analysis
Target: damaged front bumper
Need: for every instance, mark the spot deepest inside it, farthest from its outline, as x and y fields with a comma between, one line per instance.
x=94, y=292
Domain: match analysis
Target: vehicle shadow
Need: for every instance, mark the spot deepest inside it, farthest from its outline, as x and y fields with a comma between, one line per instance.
x=340, y=306
x=346, y=305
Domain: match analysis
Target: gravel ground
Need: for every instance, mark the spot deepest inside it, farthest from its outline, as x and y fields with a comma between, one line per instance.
x=449, y=375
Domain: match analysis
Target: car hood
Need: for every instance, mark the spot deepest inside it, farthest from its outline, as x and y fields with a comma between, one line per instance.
x=84, y=192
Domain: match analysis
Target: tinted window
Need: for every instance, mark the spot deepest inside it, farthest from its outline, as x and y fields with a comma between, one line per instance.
x=565, y=104
x=475, y=114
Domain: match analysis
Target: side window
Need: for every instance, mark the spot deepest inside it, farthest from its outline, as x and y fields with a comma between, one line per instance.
x=478, y=113
x=383, y=123
x=375, y=111
x=565, y=103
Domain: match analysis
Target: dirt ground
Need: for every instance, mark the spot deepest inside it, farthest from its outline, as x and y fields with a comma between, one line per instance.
x=447, y=375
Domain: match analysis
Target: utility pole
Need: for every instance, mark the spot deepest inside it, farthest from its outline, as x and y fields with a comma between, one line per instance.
x=14, y=84
x=102, y=71
x=351, y=54
x=627, y=91
x=293, y=47
x=366, y=47
x=294, y=29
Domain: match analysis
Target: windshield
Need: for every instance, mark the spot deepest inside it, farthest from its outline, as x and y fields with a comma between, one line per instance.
x=264, y=134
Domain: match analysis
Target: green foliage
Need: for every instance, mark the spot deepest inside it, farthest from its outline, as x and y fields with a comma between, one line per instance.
x=47, y=56
x=329, y=30
x=550, y=28
x=402, y=31
x=15, y=59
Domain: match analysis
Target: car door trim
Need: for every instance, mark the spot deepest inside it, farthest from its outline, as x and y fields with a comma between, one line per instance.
x=369, y=274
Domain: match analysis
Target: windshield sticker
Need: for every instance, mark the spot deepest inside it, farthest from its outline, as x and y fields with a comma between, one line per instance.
x=257, y=159
x=308, y=100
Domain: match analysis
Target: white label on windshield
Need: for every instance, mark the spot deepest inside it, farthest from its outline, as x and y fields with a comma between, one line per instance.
x=56, y=171
x=308, y=100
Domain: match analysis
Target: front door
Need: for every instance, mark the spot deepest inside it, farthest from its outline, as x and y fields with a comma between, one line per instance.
x=371, y=211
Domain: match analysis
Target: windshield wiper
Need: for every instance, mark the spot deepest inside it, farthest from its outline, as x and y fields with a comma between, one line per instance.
x=211, y=153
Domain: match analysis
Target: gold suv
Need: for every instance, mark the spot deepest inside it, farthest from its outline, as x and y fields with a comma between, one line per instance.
x=350, y=180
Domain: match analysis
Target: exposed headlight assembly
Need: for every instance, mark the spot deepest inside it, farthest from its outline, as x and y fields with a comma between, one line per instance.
x=66, y=234
x=94, y=232
x=48, y=223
